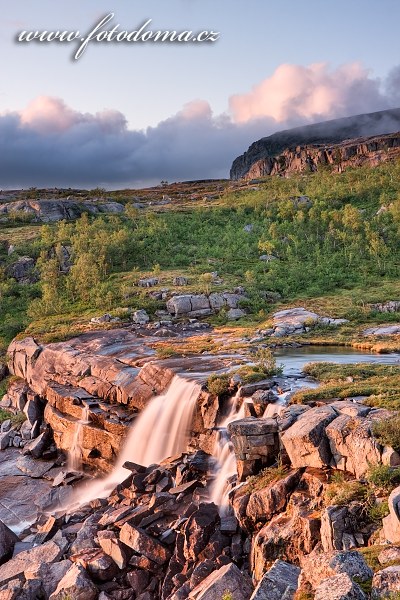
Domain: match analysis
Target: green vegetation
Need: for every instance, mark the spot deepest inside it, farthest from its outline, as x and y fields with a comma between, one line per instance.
x=388, y=432
x=265, y=477
x=336, y=254
x=218, y=384
x=381, y=383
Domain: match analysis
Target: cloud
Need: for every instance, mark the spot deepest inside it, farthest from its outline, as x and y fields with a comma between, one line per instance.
x=50, y=144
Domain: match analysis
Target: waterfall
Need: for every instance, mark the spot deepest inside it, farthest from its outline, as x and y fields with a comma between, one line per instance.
x=225, y=457
x=160, y=431
x=75, y=453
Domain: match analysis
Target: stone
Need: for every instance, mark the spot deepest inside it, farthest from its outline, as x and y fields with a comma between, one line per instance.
x=386, y=582
x=8, y=539
x=37, y=446
x=272, y=499
x=279, y=582
x=114, y=548
x=228, y=580
x=306, y=441
x=140, y=317
x=148, y=282
x=138, y=580
x=198, y=529
x=23, y=270
x=267, y=257
x=318, y=566
x=143, y=544
x=4, y=440
x=389, y=555
x=75, y=584
x=180, y=280
x=391, y=523
x=339, y=587
x=49, y=552
x=33, y=410
x=333, y=527
x=384, y=330
x=234, y=314
x=50, y=574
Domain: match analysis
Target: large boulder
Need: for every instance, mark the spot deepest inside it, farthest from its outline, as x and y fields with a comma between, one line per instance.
x=23, y=270
x=318, y=566
x=27, y=560
x=280, y=582
x=143, y=544
x=256, y=443
x=391, y=523
x=339, y=587
x=75, y=584
x=272, y=499
x=226, y=581
x=306, y=441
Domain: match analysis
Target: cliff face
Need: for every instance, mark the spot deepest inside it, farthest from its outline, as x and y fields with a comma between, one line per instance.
x=342, y=142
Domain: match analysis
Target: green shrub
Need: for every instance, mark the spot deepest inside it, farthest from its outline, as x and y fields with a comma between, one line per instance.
x=388, y=432
x=218, y=384
x=384, y=477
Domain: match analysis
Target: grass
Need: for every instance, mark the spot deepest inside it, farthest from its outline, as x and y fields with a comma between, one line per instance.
x=16, y=419
x=380, y=383
x=218, y=384
x=265, y=477
x=387, y=432
x=341, y=491
x=371, y=553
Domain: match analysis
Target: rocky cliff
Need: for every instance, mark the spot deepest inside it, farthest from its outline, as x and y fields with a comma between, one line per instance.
x=352, y=141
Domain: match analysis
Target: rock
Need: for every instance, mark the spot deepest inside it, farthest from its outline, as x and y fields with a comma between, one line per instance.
x=389, y=555
x=318, y=566
x=114, y=548
x=196, y=305
x=37, y=446
x=306, y=441
x=180, y=280
x=106, y=318
x=33, y=410
x=75, y=584
x=148, y=282
x=280, y=582
x=198, y=530
x=391, y=523
x=272, y=499
x=50, y=211
x=140, y=317
x=235, y=313
x=227, y=580
x=248, y=228
x=333, y=528
x=8, y=540
x=143, y=544
x=50, y=575
x=4, y=440
x=267, y=257
x=5, y=426
x=386, y=582
x=23, y=270
x=383, y=330
x=48, y=552
x=138, y=580
x=340, y=587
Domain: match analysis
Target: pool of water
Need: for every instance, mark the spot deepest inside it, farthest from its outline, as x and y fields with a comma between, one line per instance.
x=294, y=359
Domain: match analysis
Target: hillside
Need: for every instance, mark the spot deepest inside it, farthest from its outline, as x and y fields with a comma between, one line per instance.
x=324, y=142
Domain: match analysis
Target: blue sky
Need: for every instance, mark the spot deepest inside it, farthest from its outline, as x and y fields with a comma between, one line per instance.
x=149, y=84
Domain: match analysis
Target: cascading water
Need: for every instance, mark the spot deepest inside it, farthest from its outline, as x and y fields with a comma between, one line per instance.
x=75, y=453
x=160, y=431
x=225, y=458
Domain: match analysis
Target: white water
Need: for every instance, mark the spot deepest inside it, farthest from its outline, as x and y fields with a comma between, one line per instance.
x=75, y=452
x=225, y=457
x=160, y=431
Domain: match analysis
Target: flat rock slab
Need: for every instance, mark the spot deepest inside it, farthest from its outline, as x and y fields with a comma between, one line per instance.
x=20, y=497
x=384, y=330
x=34, y=468
x=26, y=561
x=228, y=581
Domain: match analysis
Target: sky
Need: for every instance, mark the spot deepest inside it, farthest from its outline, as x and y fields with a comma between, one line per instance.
x=130, y=114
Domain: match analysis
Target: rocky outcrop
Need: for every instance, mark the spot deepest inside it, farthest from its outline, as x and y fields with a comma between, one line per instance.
x=50, y=211
x=292, y=321
x=281, y=581
x=199, y=305
x=23, y=270
x=305, y=148
x=256, y=444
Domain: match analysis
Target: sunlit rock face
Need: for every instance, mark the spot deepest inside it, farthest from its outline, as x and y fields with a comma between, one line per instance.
x=352, y=141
